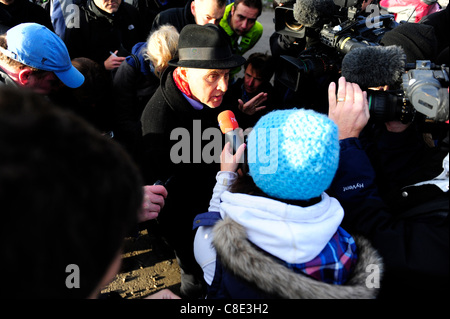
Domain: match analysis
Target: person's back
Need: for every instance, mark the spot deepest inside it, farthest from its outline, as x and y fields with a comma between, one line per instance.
x=136, y=81
x=392, y=184
x=149, y=9
x=410, y=10
x=93, y=99
x=14, y=12
x=279, y=219
x=73, y=195
x=178, y=17
x=195, y=11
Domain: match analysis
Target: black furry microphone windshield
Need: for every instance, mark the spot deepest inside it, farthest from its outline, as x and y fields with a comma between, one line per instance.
x=311, y=12
x=374, y=66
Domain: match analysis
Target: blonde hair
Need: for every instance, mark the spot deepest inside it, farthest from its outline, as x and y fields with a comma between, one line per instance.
x=162, y=46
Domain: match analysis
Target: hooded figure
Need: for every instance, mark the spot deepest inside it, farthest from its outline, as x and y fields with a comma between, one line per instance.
x=275, y=233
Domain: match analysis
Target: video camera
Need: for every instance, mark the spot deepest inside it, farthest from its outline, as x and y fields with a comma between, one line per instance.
x=424, y=89
x=331, y=34
x=285, y=22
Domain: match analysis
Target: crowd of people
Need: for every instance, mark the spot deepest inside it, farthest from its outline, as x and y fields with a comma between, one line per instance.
x=109, y=119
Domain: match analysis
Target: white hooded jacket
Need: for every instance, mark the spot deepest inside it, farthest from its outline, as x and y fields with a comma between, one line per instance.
x=292, y=233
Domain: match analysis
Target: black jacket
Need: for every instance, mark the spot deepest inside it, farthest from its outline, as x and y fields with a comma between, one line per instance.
x=22, y=11
x=411, y=234
x=192, y=180
x=178, y=17
x=133, y=85
x=166, y=111
x=100, y=33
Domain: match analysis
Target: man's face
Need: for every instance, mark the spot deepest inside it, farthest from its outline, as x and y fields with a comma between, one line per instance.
x=207, y=86
x=109, y=6
x=207, y=11
x=252, y=80
x=243, y=18
x=43, y=83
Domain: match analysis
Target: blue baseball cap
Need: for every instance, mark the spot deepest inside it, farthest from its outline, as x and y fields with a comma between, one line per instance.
x=36, y=46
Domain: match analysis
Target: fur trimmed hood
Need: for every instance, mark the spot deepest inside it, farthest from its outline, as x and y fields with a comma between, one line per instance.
x=230, y=241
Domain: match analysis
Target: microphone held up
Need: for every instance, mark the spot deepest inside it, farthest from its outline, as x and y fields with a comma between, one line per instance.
x=230, y=128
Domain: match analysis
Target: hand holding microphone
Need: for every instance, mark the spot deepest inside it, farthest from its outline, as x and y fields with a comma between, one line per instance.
x=230, y=127
x=234, y=142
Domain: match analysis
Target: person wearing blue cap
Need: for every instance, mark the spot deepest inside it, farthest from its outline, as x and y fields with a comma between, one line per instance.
x=275, y=232
x=33, y=57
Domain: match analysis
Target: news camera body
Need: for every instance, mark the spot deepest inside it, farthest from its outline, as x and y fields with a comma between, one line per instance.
x=424, y=90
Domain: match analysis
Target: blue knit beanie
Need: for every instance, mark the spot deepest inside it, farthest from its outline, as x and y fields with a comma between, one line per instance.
x=293, y=154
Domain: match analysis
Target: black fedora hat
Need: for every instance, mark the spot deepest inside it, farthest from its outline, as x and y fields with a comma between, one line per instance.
x=205, y=47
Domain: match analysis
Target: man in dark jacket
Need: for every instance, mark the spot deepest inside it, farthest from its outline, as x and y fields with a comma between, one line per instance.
x=196, y=11
x=185, y=105
x=409, y=225
x=14, y=12
x=106, y=32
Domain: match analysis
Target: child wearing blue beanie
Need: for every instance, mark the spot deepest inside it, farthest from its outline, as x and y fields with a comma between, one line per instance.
x=293, y=154
x=275, y=232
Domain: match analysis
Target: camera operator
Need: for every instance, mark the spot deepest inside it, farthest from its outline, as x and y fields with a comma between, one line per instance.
x=391, y=181
x=291, y=37
x=384, y=66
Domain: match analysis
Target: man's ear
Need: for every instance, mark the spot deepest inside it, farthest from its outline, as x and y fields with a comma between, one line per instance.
x=193, y=8
x=24, y=76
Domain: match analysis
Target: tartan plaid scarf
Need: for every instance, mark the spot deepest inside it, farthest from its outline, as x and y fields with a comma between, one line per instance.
x=335, y=262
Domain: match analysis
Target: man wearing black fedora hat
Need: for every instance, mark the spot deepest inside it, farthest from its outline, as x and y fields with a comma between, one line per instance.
x=186, y=104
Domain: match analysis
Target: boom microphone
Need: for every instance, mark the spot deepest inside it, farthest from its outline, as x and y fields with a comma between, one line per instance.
x=374, y=66
x=313, y=13
x=230, y=127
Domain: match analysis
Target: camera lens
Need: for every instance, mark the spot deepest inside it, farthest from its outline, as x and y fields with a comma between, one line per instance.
x=290, y=21
x=384, y=106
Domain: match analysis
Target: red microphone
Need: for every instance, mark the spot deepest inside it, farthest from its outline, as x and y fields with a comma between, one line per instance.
x=230, y=127
x=227, y=121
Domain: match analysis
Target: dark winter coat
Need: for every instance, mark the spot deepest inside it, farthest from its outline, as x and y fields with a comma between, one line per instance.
x=22, y=11
x=133, y=85
x=190, y=187
x=178, y=17
x=244, y=271
x=100, y=33
x=412, y=237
